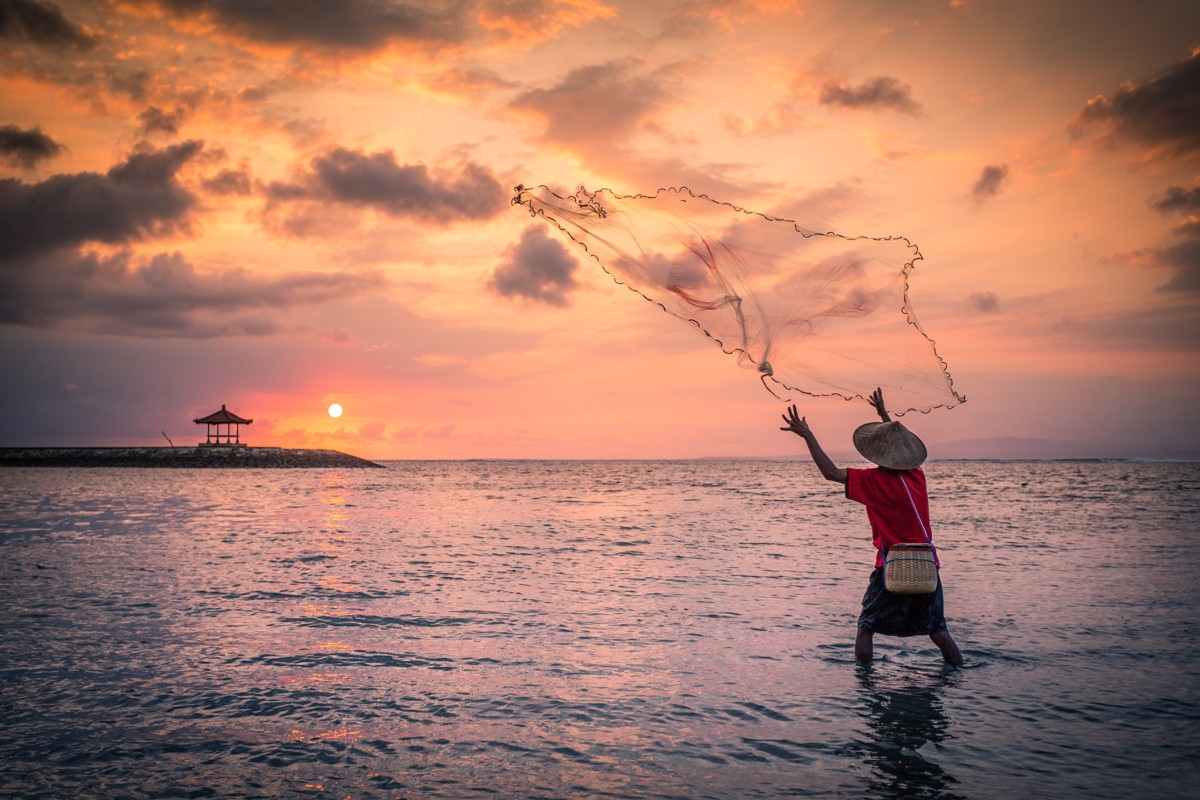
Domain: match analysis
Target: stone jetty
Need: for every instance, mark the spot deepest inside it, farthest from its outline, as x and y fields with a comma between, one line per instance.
x=202, y=457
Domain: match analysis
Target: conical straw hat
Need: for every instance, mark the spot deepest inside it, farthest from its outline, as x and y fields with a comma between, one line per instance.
x=890, y=444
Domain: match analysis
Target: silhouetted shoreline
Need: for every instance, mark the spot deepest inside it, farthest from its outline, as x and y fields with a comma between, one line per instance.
x=176, y=457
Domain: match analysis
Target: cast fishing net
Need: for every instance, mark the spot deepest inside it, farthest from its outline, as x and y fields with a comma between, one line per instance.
x=820, y=314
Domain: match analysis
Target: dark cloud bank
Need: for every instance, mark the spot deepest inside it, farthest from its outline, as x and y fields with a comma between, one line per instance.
x=1159, y=111
x=1178, y=198
x=49, y=279
x=43, y=24
x=138, y=198
x=349, y=27
x=364, y=25
x=1183, y=257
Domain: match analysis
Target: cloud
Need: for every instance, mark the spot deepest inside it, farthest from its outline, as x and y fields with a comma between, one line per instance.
x=698, y=17
x=985, y=302
x=531, y=21
x=376, y=181
x=537, y=268
x=990, y=181
x=162, y=296
x=1160, y=111
x=229, y=182
x=1177, y=198
x=467, y=84
x=348, y=25
x=1189, y=227
x=1184, y=258
x=25, y=148
x=155, y=121
x=594, y=108
x=597, y=112
x=881, y=92
x=779, y=119
x=41, y=23
x=47, y=280
x=368, y=26
x=1172, y=329
x=138, y=198
x=137, y=84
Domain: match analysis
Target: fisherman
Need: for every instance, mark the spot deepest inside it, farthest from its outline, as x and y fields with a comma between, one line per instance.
x=897, y=505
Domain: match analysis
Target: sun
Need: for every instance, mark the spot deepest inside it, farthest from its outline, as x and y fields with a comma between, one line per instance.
x=335, y=410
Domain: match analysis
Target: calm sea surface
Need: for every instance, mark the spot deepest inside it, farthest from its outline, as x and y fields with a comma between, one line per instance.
x=589, y=629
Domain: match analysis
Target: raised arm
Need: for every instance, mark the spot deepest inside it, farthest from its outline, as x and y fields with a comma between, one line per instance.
x=799, y=426
x=876, y=401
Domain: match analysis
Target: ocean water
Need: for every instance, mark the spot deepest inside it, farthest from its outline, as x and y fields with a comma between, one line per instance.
x=589, y=629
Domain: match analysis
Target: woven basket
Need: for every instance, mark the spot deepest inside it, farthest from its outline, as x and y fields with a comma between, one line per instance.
x=910, y=569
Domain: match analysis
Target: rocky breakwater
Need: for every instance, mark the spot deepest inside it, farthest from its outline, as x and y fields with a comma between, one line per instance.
x=197, y=457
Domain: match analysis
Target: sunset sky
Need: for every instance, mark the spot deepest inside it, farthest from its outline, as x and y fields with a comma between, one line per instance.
x=285, y=204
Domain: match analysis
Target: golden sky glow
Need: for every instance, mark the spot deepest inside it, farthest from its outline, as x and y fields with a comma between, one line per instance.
x=281, y=205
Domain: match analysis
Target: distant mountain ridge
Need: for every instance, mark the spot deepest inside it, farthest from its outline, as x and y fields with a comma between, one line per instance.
x=1018, y=449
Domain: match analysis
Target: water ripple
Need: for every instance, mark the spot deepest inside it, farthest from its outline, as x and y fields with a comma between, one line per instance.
x=579, y=629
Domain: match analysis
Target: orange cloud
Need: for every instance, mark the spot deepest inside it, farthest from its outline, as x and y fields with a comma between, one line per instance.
x=528, y=22
x=464, y=84
x=728, y=14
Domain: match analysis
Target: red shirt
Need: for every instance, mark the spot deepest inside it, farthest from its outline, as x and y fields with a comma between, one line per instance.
x=888, y=507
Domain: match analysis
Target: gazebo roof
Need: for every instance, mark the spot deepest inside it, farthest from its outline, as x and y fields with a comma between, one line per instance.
x=222, y=417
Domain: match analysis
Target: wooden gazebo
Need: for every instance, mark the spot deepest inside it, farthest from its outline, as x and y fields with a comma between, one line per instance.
x=215, y=420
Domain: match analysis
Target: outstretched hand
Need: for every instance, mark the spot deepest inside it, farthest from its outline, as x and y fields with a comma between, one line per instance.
x=795, y=423
x=799, y=426
x=876, y=401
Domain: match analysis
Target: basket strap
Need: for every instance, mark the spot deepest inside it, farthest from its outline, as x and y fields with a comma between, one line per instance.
x=912, y=502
